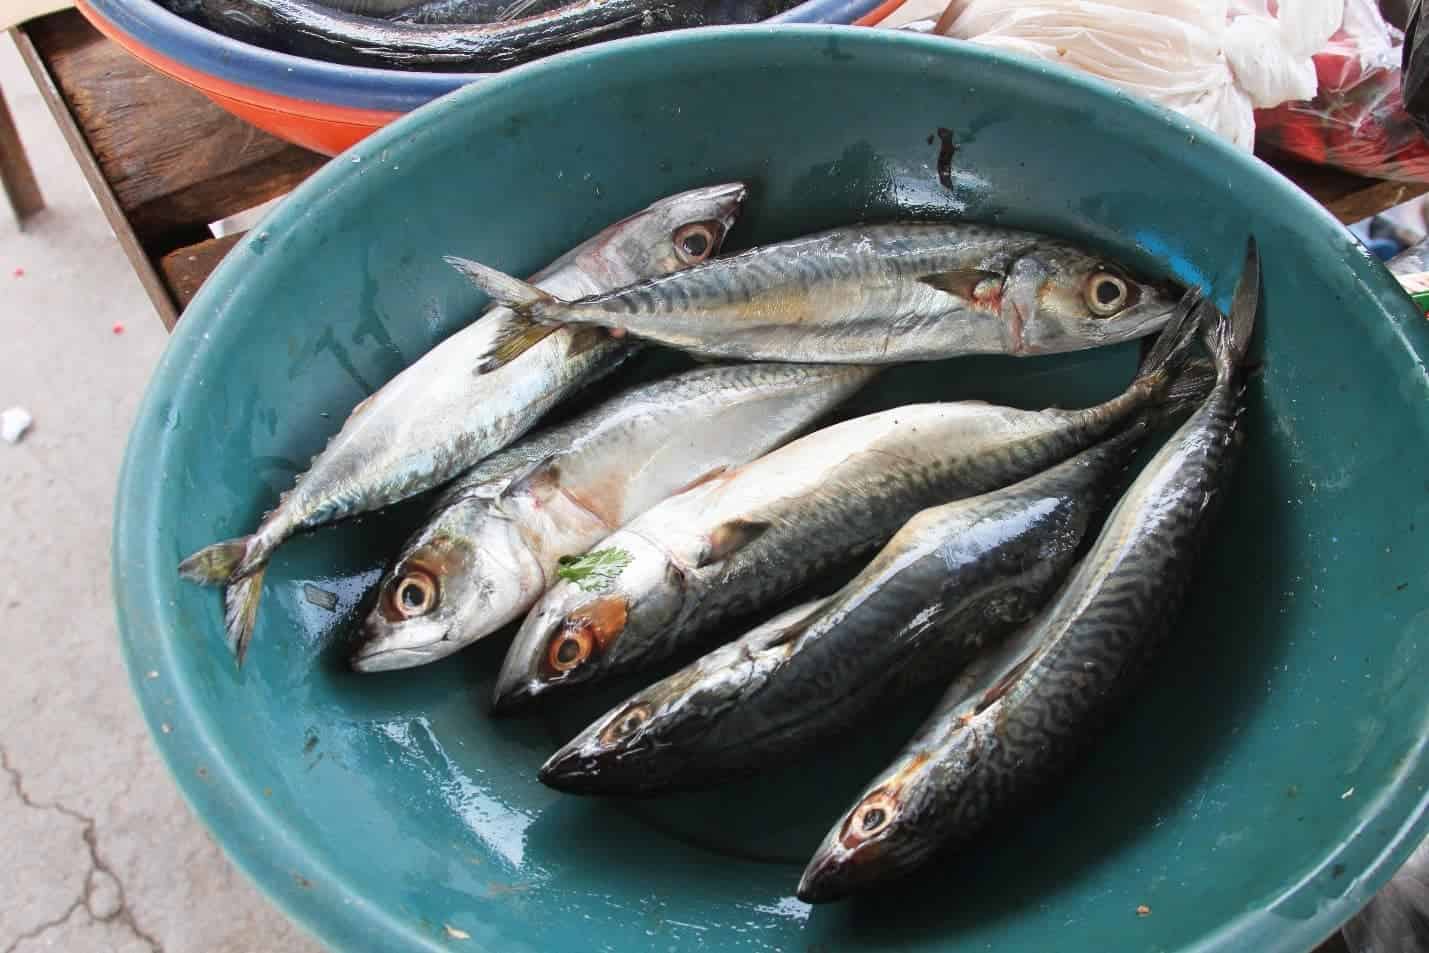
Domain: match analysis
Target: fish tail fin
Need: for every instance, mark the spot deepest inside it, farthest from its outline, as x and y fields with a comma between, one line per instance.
x=217, y=564
x=520, y=296
x=537, y=313
x=1229, y=338
x=240, y=611
x=239, y=565
x=1172, y=349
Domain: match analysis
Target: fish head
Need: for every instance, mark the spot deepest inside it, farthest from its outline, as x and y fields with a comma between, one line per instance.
x=448, y=590
x=892, y=828
x=1057, y=298
x=587, y=626
x=648, y=742
x=676, y=232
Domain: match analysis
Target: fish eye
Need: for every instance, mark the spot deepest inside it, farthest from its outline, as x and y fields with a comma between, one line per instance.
x=415, y=594
x=584, y=632
x=873, y=816
x=696, y=241
x=569, y=649
x=628, y=723
x=1106, y=293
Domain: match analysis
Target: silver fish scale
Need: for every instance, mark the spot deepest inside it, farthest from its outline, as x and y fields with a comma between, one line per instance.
x=847, y=254
x=953, y=578
x=848, y=518
x=881, y=636
x=1107, y=619
x=488, y=478
x=341, y=494
x=313, y=28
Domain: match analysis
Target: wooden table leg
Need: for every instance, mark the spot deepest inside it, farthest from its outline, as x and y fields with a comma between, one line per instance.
x=79, y=146
x=15, y=173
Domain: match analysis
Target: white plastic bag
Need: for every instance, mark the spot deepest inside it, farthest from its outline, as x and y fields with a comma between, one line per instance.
x=1211, y=60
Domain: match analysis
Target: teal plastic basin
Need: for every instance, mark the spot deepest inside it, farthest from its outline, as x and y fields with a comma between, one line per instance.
x=1266, y=779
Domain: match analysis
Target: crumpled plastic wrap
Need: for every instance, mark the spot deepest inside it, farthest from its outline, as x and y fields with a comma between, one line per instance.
x=1356, y=121
x=1215, y=61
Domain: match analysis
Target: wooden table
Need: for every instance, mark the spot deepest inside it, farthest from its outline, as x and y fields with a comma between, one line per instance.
x=164, y=162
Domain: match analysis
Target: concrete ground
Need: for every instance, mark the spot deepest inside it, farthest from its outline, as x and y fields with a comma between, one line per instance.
x=98, y=852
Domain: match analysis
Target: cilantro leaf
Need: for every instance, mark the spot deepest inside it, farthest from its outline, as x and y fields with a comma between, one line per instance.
x=596, y=570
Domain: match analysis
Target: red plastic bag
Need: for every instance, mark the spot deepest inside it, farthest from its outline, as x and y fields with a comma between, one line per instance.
x=1357, y=121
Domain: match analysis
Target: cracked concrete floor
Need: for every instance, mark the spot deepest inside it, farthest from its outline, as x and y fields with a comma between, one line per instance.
x=98, y=852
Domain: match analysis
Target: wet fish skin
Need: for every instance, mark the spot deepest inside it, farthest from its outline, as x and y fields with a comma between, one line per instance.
x=425, y=38
x=439, y=417
x=734, y=544
x=953, y=579
x=493, y=544
x=372, y=8
x=1014, y=720
x=863, y=294
x=473, y=11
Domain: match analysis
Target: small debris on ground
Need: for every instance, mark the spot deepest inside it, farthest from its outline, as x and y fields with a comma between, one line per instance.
x=18, y=272
x=320, y=597
x=1143, y=911
x=118, y=327
x=13, y=424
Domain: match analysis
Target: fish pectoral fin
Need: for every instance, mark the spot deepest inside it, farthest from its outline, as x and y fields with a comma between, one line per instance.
x=788, y=635
x=703, y=478
x=362, y=405
x=729, y=538
x=514, y=339
x=541, y=475
x=961, y=282
x=1004, y=684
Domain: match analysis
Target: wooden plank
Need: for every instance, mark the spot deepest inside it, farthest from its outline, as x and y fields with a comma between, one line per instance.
x=148, y=277
x=186, y=269
x=16, y=175
x=1350, y=198
x=174, y=160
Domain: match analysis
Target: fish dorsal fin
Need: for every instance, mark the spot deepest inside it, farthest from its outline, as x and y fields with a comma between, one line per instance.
x=962, y=282
x=728, y=538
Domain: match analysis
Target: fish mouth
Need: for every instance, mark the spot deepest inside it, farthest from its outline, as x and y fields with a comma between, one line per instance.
x=519, y=680
x=393, y=659
x=559, y=645
x=728, y=199
x=390, y=651
x=830, y=876
x=1142, y=319
x=513, y=694
x=569, y=770
x=583, y=767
